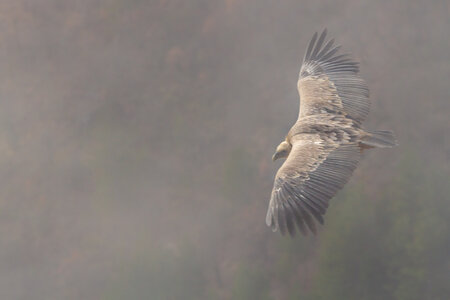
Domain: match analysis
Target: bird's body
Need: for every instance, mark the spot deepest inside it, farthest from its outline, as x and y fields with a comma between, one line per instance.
x=324, y=145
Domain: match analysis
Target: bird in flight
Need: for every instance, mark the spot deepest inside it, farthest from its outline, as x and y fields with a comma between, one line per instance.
x=325, y=144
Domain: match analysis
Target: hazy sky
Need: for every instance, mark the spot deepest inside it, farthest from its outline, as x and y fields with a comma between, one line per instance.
x=132, y=130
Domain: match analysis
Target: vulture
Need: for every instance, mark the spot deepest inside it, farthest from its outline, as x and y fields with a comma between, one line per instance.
x=325, y=144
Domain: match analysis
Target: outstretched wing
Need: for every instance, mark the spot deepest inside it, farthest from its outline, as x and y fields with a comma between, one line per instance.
x=313, y=172
x=328, y=83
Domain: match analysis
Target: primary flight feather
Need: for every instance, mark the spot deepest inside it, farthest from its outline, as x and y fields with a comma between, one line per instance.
x=325, y=144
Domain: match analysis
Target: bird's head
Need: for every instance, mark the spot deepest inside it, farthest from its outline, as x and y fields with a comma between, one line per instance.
x=282, y=151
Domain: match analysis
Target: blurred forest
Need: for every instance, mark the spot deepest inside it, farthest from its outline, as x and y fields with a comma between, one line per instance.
x=136, y=141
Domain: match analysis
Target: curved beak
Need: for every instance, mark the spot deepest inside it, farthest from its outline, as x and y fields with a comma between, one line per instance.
x=276, y=156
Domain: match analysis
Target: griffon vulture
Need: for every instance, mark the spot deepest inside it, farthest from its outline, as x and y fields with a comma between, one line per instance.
x=325, y=144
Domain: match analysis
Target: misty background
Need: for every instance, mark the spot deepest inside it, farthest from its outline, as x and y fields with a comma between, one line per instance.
x=136, y=141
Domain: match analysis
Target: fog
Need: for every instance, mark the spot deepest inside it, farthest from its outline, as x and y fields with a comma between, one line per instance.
x=136, y=141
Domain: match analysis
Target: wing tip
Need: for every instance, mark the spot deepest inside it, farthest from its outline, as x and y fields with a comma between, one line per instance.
x=287, y=218
x=321, y=51
x=315, y=45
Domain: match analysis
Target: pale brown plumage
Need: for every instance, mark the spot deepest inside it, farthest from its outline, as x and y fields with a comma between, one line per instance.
x=324, y=146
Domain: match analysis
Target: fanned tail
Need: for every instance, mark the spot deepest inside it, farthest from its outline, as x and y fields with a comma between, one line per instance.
x=380, y=139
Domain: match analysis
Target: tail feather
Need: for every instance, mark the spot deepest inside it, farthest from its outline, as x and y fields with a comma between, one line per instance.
x=380, y=139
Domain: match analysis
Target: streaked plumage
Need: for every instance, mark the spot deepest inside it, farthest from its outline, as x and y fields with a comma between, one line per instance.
x=325, y=144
